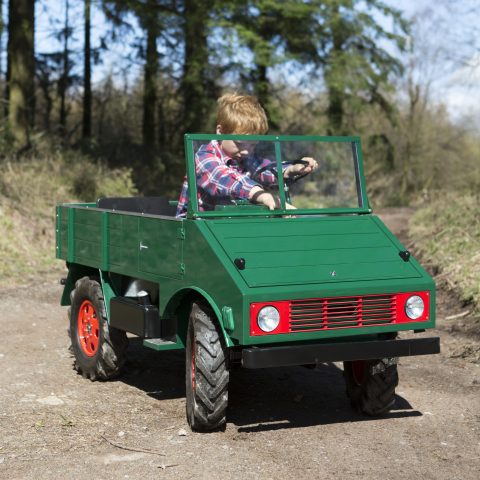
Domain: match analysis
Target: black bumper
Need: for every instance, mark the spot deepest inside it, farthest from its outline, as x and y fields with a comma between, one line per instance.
x=283, y=356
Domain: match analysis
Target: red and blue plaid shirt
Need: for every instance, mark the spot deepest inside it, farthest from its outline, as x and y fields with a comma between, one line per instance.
x=221, y=178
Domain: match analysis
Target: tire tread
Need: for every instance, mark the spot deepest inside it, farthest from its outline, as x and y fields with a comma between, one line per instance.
x=110, y=358
x=376, y=395
x=207, y=409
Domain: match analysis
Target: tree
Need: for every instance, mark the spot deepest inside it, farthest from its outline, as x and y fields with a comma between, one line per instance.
x=340, y=38
x=21, y=70
x=64, y=80
x=357, y=69
x=197, y=89
x=149, y=21
x=274, y=32
x=46, y=66
x=152, y=16
x=1, y=32
x=87, y=80
x=431, y=151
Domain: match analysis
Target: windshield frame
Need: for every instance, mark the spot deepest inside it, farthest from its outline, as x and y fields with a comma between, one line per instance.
x=194, y=212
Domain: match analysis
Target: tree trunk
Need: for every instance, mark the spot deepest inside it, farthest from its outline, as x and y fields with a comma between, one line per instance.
x=261, y=85
x=195, y=84
x=150, y=79
x=334, y=71
x=1, y=36
x=87, y=80
x=48, y=110
x=6, y=92
x=335, y=110
x=21, y=70
x=63, y=83
x=262, y=90
x=44, y=85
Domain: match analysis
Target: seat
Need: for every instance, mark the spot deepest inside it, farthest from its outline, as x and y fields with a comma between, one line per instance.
x=147, y=205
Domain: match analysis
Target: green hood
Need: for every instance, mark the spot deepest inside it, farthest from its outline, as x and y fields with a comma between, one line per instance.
x=309, y=250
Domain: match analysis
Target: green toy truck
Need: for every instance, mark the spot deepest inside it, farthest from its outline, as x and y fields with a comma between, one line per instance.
x=242, y=285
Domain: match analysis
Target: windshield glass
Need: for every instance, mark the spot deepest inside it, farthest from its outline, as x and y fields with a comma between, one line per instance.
x=305, y=173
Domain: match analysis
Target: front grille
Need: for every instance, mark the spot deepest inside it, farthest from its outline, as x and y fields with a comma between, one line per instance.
x=342, y=312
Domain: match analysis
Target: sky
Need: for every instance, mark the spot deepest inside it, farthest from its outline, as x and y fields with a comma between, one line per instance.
x=448, y=46
x=448, y=38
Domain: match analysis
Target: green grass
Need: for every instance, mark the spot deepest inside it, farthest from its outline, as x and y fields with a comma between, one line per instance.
x=447, y=234
x=29, y=191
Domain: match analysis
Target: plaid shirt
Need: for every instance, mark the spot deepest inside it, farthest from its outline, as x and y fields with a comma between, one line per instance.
x=221, y=178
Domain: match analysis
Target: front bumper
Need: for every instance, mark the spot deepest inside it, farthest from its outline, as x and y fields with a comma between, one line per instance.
x=283, y=356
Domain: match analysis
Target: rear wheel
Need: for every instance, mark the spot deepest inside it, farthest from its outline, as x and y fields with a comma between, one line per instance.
x=207, y=375
x=371, y=385
x=99, y=349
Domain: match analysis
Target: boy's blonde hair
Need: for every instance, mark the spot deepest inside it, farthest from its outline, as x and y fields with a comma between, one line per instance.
x=241, y=114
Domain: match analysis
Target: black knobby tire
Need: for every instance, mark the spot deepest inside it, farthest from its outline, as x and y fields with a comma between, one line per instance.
x=207, y=375
x=371, y=385
x=102, y=355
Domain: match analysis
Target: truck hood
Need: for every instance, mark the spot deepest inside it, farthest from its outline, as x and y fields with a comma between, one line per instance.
x=309, y=250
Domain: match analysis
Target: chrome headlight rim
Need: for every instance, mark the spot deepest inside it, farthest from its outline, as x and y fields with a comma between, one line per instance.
x=268, y=318
x=414, y=307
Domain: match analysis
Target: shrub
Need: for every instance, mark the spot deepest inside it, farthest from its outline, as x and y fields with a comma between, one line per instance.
x=447, y=234
x=29, y=191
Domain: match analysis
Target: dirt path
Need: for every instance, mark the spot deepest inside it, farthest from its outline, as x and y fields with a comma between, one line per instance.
x=281, y=422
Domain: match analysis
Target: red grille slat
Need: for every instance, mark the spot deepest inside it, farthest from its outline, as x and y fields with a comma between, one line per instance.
x=342, y=312
x=365, y=312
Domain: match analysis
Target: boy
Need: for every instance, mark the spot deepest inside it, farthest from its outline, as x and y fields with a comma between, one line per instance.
x=225, y=168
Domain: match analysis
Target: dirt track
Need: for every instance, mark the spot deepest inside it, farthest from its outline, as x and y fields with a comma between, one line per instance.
x=281, y=422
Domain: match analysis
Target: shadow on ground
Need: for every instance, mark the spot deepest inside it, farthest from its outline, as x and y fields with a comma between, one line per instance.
x=296, y=397
x=259, y=400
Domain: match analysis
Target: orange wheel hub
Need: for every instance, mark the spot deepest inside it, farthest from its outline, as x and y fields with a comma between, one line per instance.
x=88, y=328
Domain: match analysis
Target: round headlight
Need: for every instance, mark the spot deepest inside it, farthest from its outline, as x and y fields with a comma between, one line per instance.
x=268, y=318
x=414, y=307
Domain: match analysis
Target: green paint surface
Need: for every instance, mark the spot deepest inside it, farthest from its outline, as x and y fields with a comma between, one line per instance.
x=328, y=253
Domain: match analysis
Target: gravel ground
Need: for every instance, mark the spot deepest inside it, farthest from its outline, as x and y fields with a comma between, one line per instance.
x=281, y=422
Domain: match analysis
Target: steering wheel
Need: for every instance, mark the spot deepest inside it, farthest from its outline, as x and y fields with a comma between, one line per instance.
x=296, y=178
x=273, y=169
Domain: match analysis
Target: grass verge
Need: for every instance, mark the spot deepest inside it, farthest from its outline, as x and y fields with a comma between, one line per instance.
x=447, y=234
x=29, y=191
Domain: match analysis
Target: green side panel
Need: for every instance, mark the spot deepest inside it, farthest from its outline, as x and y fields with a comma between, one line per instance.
x=123, y=242
x=160, y=247
x=105, y=254
x=310, y=250
x=140, y=244
x=66, y=216
x=61, y=232
x=87, y=230
x=58, y=232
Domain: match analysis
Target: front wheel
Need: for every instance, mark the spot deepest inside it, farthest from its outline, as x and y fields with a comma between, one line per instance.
x=371, y=385
x=99, y=349
x=207, y=375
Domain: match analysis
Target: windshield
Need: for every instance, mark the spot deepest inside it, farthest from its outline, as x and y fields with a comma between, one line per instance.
x=310, y=174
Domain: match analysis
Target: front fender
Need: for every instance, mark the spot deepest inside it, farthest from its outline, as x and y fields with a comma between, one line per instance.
x=177, y=305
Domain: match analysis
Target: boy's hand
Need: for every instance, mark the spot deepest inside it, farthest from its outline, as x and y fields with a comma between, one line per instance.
x=288, y=206
x=300, y=168
x=260, y=196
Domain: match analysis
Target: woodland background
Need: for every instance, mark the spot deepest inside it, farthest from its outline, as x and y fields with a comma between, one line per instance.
x=98, y=95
